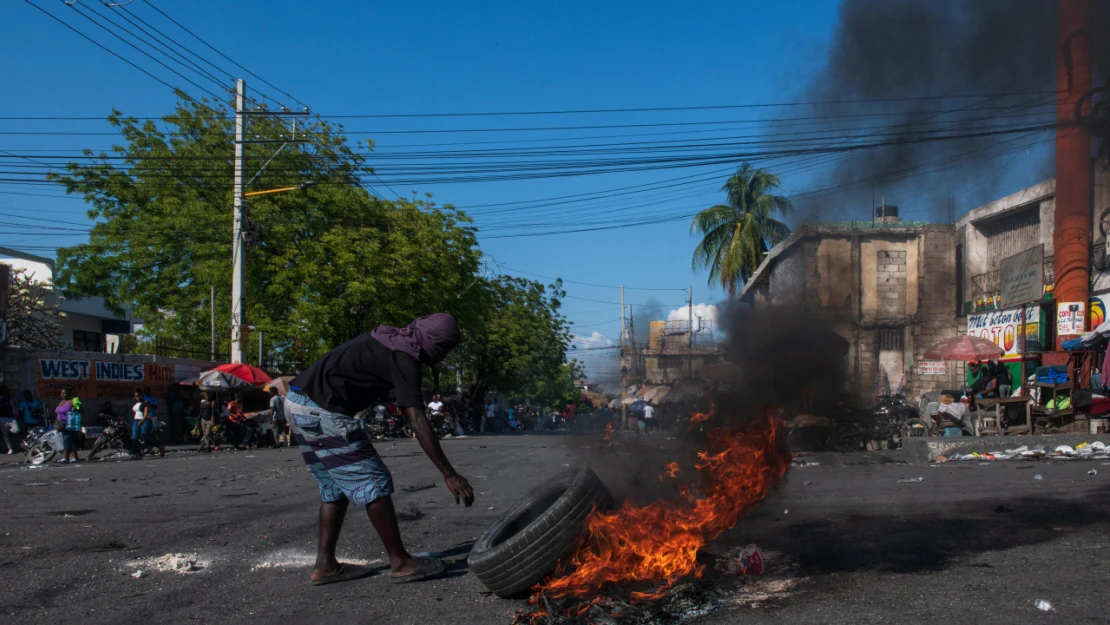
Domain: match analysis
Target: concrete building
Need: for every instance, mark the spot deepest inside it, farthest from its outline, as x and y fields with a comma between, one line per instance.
x=893, y=288
x=888, y=287
x=88, y=325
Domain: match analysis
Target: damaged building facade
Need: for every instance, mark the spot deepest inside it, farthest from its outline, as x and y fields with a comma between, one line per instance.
x=894, y=288
x=886, y=286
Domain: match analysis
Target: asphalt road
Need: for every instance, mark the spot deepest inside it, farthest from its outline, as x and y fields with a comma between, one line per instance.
x=845, y=542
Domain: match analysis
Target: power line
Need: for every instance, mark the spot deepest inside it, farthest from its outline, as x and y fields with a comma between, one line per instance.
x=604, y=286
x=224, y=56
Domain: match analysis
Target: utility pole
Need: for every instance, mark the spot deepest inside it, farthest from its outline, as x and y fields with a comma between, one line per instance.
x=212, y=314
x=690, y=332
x=260, y=349
x=238, y=249
x=623, y=327
x=632, y=337
x=620, y=364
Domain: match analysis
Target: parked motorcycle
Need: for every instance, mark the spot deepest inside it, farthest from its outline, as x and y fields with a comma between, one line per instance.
x=116, y=435
x=42, y=445
x=889, y=419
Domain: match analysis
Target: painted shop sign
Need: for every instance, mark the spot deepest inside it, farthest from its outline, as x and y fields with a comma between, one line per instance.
x=1003, y=327
x=101, y=379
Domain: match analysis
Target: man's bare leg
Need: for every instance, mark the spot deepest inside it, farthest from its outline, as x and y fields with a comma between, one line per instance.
x=330, y=523
x=384, y=519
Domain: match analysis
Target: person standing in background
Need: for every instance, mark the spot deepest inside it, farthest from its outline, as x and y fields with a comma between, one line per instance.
x=8, y=423
x=32, y=411
x=140, y=425
x=206, y=423
x=491, y=410
x=69, y=408
x=649, y=418
x=277, y=418
x=71, y=435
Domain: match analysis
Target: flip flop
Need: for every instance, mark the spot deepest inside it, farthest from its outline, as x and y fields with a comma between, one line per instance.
x=345, y=573
x=425, y=569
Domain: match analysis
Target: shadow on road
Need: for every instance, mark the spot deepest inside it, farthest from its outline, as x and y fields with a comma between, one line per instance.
x=932, y=540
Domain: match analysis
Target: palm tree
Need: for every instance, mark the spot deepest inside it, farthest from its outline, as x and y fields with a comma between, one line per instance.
x=735, y=236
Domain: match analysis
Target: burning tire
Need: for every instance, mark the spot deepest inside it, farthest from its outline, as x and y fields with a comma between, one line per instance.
x=525, y=543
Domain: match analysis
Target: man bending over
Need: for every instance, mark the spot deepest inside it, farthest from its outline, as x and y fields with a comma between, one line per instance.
x=321, y=405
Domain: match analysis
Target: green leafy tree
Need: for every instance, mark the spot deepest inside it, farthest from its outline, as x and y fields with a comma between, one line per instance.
x=519, y=345
x=33, y=318
x=735, y=236
x=322, y=266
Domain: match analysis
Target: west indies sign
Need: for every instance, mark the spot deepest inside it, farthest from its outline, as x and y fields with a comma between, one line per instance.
x=101, y=379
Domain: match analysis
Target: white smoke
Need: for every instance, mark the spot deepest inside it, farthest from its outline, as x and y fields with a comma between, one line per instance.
x=705, y=311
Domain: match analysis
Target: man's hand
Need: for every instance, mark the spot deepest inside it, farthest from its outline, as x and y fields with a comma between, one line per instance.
x=460, y=488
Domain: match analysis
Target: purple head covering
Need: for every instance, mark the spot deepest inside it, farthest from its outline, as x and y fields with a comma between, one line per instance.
x=428, y=339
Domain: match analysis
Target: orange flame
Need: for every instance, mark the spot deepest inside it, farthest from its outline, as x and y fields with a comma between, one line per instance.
x=608, y=432
x=659, y=542
x=670, y=471
x=698, y=417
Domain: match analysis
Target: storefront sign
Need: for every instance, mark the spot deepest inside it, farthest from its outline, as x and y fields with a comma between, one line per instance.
x=1096, y=311
x=99, y=379
x=932, y=367
x=1023, y=277
x=1070, y=317
x=1003, y=328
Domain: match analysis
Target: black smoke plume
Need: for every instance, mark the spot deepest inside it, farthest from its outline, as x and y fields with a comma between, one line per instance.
x=920, y=55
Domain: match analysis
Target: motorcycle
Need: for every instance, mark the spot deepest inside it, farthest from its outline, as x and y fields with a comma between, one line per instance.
x=441, y=424
x=557, y=422
x=116, y=435
x=889, y=419
x=42, y=445
x=383, y=425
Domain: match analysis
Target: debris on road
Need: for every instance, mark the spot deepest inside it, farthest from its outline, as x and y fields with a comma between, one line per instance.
x=411, y=513
x=169, y=563
x=287, y=558
x=1084, y=451
x=1038, y=477
x=417, y=489
x=1044, y=606
x=139, y=574
x=911, y=480
x=1092, y=472
x=746, y=561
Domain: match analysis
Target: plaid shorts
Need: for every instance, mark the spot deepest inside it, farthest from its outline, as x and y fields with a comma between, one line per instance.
x=338, y=453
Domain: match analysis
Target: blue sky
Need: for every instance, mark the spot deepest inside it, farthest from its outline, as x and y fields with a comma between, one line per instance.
x=424, y=57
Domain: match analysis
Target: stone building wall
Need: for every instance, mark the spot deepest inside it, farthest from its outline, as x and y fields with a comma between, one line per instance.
x=891, y=284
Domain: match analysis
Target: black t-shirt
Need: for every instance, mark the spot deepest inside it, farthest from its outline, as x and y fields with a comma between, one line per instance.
x=358, y=373
x=207, y=410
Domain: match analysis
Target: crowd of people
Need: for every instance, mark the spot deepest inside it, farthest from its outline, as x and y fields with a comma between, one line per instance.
x=213, y=422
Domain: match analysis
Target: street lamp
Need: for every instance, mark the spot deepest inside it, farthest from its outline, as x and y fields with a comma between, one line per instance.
x=301, y=187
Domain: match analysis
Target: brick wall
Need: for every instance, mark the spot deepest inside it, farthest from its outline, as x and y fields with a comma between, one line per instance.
x=891, y=275
x=936, y=318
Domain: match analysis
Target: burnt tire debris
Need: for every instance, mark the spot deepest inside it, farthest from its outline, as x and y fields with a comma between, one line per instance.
x=525, y=543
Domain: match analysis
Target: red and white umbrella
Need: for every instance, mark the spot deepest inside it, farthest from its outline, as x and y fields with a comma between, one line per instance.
x=245, y=372
x=964, y=348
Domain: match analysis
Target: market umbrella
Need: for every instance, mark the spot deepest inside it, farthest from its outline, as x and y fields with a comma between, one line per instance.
x=684, y=390
x=964, y=348
x=281, y=383
x=216, y=380
x=245, y=372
